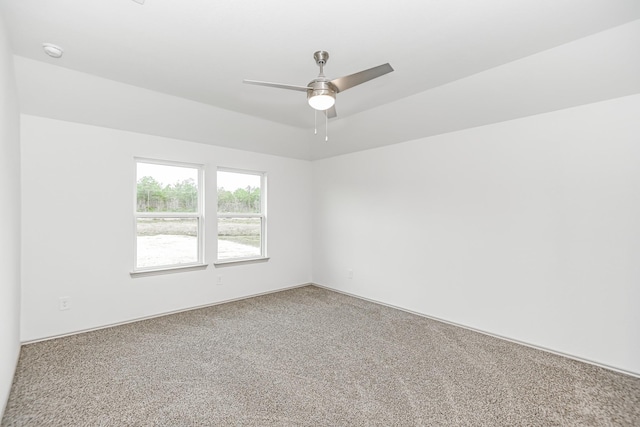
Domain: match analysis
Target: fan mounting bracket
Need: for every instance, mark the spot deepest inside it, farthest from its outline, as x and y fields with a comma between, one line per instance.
x=321, y=57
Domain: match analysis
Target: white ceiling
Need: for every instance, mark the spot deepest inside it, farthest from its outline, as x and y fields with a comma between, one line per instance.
x=202, y=49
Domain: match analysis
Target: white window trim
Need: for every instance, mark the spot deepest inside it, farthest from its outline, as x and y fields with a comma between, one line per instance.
x=199, y=215
x=262, y=215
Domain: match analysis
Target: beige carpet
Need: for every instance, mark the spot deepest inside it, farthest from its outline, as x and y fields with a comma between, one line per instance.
x=308, y=357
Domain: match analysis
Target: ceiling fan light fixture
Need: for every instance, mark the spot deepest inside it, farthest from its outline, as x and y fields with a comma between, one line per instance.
x=321, y=96
x=322, y=102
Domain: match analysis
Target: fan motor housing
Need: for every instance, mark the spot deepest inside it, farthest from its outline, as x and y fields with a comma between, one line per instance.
x=322, y=94
x=319, y=87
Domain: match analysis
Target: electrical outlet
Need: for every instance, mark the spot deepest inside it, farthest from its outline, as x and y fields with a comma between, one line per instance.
x=65, y=303
x=349, y=273
x=219, y=282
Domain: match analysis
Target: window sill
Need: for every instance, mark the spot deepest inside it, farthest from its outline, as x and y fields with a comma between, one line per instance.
x=228, y=263
x=169, y=270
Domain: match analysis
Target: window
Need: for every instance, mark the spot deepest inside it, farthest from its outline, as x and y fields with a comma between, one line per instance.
x=241, y=215
x=168, y=215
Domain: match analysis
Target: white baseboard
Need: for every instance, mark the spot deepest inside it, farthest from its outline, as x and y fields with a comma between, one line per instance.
x=515, y=341
x=166, y=313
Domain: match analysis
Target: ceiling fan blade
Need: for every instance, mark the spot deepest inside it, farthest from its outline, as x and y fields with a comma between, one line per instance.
x=331, y=112
x=346, y=82
x=278, y=85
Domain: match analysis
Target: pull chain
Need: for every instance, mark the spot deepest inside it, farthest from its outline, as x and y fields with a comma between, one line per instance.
x=326, y=125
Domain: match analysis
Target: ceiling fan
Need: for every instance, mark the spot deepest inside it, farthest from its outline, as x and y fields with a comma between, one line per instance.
x=321, y=92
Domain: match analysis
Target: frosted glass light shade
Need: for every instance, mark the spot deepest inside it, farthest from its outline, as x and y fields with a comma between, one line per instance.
x=321, y=102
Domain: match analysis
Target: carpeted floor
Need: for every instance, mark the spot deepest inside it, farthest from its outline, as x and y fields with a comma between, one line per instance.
x=308, y=357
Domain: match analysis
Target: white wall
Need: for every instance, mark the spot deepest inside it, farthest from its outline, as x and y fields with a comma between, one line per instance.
x=77, y=229
x=9, y=220
x=528, y=229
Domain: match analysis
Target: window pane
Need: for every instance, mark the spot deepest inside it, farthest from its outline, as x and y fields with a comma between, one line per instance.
x=163, y=188
x=166, y=241
x=238, y=192
x=239, y=238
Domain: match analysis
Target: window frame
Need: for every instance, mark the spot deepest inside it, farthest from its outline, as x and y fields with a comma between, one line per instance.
x=262, y=215
x=198, y=215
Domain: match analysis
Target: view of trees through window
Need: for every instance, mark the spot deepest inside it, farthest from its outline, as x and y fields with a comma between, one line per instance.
x=181, y=196
x=167, y=215
x=240, y=216
x=241, y=200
